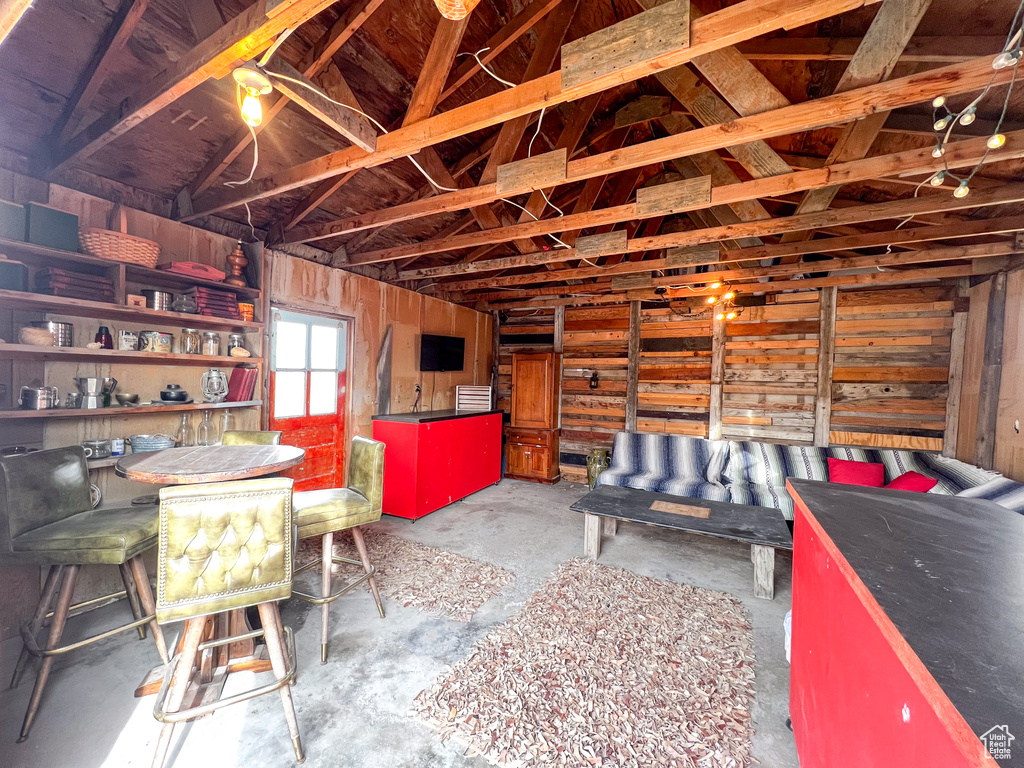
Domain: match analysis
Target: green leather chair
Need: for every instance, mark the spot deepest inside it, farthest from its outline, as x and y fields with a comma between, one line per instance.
x=224, y=547
x=325, y=512
x=250, y=437
x=46, y=519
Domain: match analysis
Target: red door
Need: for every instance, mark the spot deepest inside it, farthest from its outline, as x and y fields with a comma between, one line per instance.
x=307, y=394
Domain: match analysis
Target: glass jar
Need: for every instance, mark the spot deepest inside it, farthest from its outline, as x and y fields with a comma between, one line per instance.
x=207, y=432
x=185, y=437
x=235, y=340
x=227, y=422
x=211, y=343
x=189, y=342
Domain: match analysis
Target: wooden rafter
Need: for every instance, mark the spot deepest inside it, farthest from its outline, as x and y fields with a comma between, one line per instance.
x=98, y=69
x=314, y=61
x=726, y=27
x=921, y=50
x=241, y=39
x=11, y=12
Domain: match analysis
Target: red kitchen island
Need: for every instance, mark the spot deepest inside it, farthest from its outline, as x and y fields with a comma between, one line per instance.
x=433, y=458
x=908, y=619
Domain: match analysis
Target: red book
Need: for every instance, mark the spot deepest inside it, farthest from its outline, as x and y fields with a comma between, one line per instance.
x=241, y=384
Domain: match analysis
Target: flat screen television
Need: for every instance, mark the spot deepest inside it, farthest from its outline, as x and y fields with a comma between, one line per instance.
x=442, y=353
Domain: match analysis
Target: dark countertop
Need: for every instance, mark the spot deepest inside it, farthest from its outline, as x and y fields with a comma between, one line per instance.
x=949, y=573
x=425, y=417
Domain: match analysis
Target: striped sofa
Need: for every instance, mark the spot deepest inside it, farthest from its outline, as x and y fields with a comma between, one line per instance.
x=754, y=473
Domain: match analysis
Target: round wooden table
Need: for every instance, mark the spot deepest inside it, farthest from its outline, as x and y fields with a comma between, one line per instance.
x=208, y=463
x=211, y=464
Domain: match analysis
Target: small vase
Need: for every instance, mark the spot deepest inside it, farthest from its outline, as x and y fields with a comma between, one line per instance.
x=207, y=432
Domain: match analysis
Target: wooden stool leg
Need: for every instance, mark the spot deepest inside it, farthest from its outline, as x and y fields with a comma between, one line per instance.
x=45, y=601
x=60, y=617
x=133, y=596
x=180, y=678
x=326, y=564
x=271, y=619
x=141, y=578
x=365, y=557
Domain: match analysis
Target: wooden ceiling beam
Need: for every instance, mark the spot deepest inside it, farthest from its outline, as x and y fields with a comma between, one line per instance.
x=831, y=218
x=829, y=110
x=517, y=26
x=313, y=62
x=107, y=52
x=242, y=38
x=11, y=12
x=738, y=22
x=961, y=154
x=920, y=50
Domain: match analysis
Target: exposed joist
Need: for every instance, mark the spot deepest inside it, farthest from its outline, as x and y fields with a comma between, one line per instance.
x=837, y=108
x=726, y=27
x=240, y=39
x=960, y=154
x=920, y=50
x=98, y=69
x=315, y=60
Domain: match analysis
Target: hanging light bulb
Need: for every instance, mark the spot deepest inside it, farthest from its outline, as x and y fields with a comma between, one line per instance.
x=252, y=110
x=720, y=316
x=939, y=101
x=730, y=316
x=1006, y=59
x=937, y=179
x=968, y=116
x=995, y=141
x=942, y=122
x=715, y=286
x=939, y=151
x=712, y=299
x=255, y=84
x=456, y=10
x=729, y=295
x=963, y=190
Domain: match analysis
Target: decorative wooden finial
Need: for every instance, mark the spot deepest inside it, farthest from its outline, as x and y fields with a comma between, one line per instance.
x=237, y=263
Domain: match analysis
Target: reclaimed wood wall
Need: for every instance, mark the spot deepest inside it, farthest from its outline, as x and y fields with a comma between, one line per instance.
x=880, y=381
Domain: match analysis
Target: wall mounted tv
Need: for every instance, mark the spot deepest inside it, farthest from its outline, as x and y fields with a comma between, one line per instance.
x=442, y=353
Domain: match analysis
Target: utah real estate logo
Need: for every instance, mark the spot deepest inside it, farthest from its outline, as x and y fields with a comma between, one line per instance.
x=997, y=742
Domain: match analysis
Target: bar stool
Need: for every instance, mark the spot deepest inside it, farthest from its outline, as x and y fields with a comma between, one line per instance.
x=223, y=547
x=250, y=437
x=46, y=518
x=325, y=512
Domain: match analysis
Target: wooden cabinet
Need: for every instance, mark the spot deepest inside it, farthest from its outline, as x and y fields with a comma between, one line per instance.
x=535, y=380
x=532, y=439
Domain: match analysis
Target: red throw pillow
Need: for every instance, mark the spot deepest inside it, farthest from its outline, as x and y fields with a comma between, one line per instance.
x=913, y=481
x=856, y=473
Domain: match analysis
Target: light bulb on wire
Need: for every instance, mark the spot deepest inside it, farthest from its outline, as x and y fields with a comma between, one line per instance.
x=937, y=179
x=715, y=286
x=962, y=190
x=252, y=110
x=1006, y=59
x=942, y=123
x=729, y=295
x=730, y=316
x=712, y=299
x=938, y=102
x=939, y=151
x=995, y=141
x=968, y=116
x=254, y=83
x=720, y=316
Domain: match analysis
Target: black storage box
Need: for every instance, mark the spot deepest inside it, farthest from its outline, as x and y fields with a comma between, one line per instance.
x=12, y=221
x=13, y=275
x=51, y=228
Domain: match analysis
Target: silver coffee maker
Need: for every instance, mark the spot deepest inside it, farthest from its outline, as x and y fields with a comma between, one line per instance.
x=95, y=391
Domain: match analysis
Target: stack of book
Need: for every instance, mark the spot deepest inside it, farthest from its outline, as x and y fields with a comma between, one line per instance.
x=242, y=384
x=74, y=285
x=214, y=303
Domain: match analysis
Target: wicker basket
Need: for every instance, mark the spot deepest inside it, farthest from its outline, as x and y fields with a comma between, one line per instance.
x=117, y=246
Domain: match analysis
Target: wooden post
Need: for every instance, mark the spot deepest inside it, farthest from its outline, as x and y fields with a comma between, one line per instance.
x=633, y=369
x=591, y=536
x=826, y=353
x=764, y=571
x=991, y=374
x=957, y=347
x=495, y=355
x=559, y=347
x=717, y=377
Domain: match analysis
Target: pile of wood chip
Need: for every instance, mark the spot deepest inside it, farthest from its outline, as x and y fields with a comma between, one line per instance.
x=414, y=574
x=605, y=668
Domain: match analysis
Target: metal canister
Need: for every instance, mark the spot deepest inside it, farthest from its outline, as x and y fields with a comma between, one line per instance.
x=190, y=342
x=38, y=398
x=235, y=340
x=117, y=446
x=63, y=333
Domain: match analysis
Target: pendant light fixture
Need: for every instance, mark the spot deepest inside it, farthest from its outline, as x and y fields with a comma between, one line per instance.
x=253, y=83
x=456, y=10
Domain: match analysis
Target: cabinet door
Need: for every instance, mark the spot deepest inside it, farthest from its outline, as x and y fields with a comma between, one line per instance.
x=540, y=463
x=518, y=460
x=533, y=380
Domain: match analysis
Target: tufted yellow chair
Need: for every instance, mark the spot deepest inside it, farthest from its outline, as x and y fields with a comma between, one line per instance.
x=250, y=437
x=223, y=547
x=322, y=513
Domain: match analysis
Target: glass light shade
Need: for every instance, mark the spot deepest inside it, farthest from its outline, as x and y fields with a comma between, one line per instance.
x=941, y=123
x=967, y=117
x=456, y=9
x=995, y=141
x=252, y=110
x=938, y=101
x=962, y=191
x=937, y=179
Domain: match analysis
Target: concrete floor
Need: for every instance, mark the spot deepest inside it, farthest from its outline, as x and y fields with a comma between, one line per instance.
x=353, y=712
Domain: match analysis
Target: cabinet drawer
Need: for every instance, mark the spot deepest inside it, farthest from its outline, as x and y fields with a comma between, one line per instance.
x=542, y=438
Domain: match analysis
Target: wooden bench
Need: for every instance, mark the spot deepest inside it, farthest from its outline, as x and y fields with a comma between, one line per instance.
x=763, y=528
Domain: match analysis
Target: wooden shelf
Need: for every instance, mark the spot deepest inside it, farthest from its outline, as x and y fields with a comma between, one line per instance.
x=133, y=272
x=113, y=411
x=85, y=355
x=102, y=463
x=104, y=311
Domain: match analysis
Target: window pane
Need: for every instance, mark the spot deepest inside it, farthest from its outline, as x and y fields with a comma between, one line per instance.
x=324, y=348
x=323, y=392
x=290, y=346
x=289, y=394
